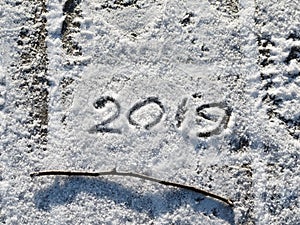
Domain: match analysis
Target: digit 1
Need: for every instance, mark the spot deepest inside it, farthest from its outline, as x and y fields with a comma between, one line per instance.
x=182, y=109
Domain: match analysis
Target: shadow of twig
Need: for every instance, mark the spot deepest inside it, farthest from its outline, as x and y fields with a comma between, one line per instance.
x=154, y=205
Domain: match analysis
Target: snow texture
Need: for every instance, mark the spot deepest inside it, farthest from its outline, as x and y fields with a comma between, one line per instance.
x=203, y=93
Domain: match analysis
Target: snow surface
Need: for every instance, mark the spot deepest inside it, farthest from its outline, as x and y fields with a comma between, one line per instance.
x=203, y=93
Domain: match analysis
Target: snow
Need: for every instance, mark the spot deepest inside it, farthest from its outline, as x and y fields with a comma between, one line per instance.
x=203, y=93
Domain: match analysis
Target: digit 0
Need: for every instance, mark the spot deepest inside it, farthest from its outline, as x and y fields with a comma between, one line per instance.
x=142, y=104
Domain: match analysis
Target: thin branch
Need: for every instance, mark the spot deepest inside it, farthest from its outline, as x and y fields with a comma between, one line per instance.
x=114, y=172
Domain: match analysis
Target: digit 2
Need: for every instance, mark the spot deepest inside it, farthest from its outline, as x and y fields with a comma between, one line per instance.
x=102, y=127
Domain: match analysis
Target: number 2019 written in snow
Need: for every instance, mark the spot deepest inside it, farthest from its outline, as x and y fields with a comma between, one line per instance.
x=210, y=122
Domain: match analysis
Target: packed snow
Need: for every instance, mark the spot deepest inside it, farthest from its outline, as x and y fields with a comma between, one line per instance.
x=202, y=93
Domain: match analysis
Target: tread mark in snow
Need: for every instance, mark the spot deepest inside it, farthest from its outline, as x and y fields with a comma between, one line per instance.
x=119, y=4
x=2, y=90
x=197, y=95
x=69, y=26
x=230, y=7
x=33, y=72
x=187, y=19
x=71, y=11
x=272, y=80
x=242, y=174
x=294, y=54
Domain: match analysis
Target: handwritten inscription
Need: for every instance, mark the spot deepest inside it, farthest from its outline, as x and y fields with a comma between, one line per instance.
x=212, y=118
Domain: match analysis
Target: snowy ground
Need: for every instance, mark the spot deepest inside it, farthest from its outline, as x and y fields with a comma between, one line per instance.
x=203, y=93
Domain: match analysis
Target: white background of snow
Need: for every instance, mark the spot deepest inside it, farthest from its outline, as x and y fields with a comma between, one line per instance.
x=175, y=158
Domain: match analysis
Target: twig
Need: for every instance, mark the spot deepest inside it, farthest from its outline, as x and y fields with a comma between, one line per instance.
x=114, y=172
